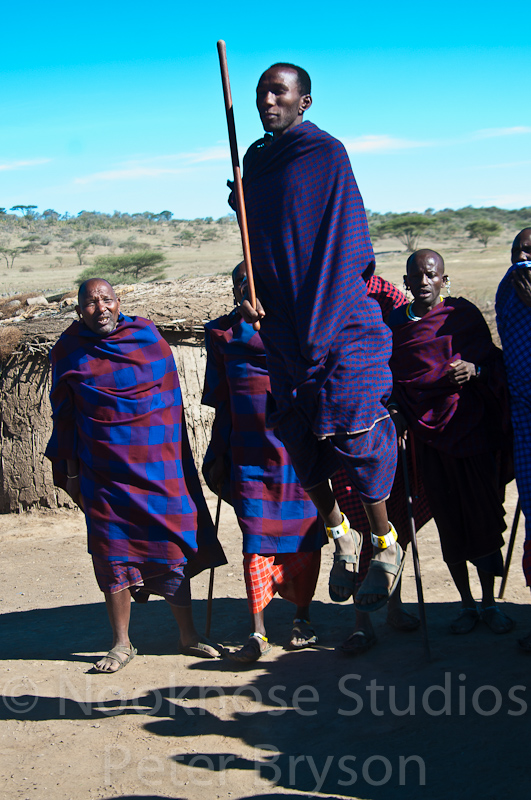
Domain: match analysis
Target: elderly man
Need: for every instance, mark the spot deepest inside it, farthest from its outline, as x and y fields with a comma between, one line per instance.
x=119, y=448
x=513, y=315
x=327, y=346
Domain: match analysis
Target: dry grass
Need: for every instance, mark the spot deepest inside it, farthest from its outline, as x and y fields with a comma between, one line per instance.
x=475, y=271
x=9, y=339
x=55, y=268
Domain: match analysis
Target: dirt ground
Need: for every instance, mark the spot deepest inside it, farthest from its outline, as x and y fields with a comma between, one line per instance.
x=388, y=724
x=303, y=724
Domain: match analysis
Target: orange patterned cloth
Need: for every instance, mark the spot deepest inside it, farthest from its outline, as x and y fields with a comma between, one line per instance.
x=292, y=575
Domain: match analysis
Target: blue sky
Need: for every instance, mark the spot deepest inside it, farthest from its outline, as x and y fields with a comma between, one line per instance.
x=114, y=105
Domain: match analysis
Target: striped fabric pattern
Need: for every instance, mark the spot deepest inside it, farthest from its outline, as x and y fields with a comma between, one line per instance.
x=292, y=575
x=274, y=513
x=117, y=407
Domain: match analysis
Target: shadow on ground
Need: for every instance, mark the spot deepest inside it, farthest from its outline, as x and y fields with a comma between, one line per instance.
x=386, y=724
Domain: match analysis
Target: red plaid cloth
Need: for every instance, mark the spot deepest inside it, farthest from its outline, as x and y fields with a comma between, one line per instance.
x=166, y=580
x=292, y=575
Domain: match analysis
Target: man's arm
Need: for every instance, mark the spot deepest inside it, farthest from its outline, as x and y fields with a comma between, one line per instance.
x=521, y=280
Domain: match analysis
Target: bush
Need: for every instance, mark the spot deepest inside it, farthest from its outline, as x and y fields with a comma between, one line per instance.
x=100, y=239
x=483, y=230
x=406, y=227
x=129, y=268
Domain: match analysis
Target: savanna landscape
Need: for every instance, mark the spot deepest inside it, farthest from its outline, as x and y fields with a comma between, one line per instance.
x=390, y=723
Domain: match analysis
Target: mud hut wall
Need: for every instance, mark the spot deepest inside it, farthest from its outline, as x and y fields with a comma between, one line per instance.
x=26, y=425
x=191, y=365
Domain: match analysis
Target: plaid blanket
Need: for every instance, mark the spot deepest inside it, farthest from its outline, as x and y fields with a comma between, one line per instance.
x=274, y=513
x=117, y=407
x=327, y=346
x=293, y=575
x=514, y=326
x=386, y=294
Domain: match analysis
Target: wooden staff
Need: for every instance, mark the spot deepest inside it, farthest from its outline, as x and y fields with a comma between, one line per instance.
x=414, y=548
x=510, y=548
x=238, y=185
x=211, y=581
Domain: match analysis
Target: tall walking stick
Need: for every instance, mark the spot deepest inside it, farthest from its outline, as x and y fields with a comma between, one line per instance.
x=414, y=548
x=211, y=581
x=510, y=549
x=238, y=185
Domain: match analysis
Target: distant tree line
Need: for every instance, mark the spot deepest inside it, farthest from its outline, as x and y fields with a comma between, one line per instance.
x=482, y=224
x=85, y=220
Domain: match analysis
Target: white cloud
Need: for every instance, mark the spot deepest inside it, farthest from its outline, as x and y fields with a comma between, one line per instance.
x=507, y=165
x=494, y=133
x=147, y=167
x=512, y=200
x=381, y=143
x=21, y=164
x=131, y=173
x=378, y=143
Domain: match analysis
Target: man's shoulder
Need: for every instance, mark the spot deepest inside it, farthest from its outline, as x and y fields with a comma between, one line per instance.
x=223, y=323
x=311, y=132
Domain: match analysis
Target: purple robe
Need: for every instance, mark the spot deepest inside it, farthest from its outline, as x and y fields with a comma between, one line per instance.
x=327, y=346
x=458, y=420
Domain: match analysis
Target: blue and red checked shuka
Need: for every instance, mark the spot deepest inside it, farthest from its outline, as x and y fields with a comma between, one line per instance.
x=282, y=534
x=117, y=407
x=327, y=346
x=514, y=326
x=462, y=433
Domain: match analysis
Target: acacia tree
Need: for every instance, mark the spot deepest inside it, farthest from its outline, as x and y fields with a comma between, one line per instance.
x=406, y=227
x=131, y=267
x=26, y=210
x=9, y=254
x=49, y=215
x=483, y=230
x=80, y=246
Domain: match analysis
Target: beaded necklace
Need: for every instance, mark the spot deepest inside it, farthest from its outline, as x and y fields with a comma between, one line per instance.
x=409, y=311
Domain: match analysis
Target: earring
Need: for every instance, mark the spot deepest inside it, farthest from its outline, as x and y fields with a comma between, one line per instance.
x=448, y=285
x=406, y=288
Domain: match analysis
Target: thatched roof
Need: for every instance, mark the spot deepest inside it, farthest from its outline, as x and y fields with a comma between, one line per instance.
x=178, y=308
